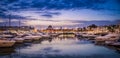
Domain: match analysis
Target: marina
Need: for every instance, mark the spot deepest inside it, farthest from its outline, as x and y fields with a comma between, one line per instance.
x=55, y=45
x=59, y=29
x=60, y=47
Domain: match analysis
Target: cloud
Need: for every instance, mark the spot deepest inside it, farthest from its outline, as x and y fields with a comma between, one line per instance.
x=60, y=10
x=69, y=23
x=50, y=14
x=47, y=15
x=1, y=21
x=54, y=23
x=11, y=16
x=37, y=14
x=18, y=5
x=60, y=4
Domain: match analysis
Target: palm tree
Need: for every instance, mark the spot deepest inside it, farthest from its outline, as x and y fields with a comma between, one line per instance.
x=111, y=29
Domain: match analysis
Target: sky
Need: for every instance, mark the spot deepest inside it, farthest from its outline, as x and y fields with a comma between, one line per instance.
x=65, y=13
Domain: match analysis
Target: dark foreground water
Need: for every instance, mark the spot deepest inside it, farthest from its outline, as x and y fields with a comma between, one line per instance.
x=59, y=48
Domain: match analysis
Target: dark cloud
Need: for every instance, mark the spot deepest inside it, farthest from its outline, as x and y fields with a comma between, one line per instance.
x=16, y=5
x=47, y=15
x=53, y=13
x=7, y=16
x=48, y=12
x=55, y=4
x=66, y=4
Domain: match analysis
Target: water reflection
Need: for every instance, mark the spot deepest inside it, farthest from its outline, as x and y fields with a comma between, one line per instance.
x=6, y=51
x=62, y=48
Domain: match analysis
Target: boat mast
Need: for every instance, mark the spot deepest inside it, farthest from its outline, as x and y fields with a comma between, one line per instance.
x=9, y=20
x=19, y=23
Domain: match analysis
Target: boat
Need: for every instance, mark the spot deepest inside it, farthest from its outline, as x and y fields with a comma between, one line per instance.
x=7, y=43
x=30, y=38
x=45, y=35
x=7, y=34
x=27, y=39
x=108, y=39
x=18, y=40
x=89, y=36
x=117, y=44
x=113, y=36
x=102, y=38
x=33, y=37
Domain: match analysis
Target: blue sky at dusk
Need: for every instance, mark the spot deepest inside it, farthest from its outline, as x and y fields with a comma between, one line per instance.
x=70, y=13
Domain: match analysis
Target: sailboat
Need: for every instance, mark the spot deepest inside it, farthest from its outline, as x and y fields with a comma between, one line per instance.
x=5, y=42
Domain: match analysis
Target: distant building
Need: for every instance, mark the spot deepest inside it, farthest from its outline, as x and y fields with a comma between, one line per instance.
x=50, y=29
x=94, y=29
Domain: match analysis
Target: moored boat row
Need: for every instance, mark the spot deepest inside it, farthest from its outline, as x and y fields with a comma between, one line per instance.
x=111, y=39
x=8, y=41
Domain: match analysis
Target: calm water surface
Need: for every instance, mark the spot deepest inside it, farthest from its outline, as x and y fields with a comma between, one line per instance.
x=59, y=48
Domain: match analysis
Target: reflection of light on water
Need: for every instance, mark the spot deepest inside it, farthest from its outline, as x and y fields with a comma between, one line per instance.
x=6, y=51
x=66, y=47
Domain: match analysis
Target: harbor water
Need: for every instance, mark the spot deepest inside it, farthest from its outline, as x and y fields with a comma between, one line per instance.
x=60, y=48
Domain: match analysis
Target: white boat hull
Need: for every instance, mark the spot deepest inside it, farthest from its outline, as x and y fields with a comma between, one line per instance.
x=19, y=40
x=6, y=43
